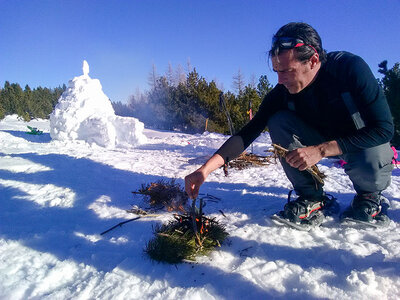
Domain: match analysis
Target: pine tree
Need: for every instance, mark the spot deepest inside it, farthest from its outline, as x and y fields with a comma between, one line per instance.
x=28, y=101
x=7, y=99
x=189, y=67
x=263, y=86
x=180, y=76
x=2, y=110
x=240, y=107
x=252, y=81
x=391, y=86
x=238, y=82
x=169, y=75
x=153, y=77
x=57, y=92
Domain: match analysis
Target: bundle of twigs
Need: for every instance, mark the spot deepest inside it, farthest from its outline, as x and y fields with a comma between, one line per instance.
x=164, y=194
x=186, y=236
x=159, y=195
x=247, y=160
x=313, y=170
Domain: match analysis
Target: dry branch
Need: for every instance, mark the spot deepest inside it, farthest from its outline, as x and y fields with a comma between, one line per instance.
x=247, y=160
x=313, y=170
x=162, y=194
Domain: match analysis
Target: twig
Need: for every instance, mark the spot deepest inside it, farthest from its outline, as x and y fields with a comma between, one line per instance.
x=201, y=216
x=241, y=252
x=127, y=221
x=246, y=160
x=222, y=213
x=120, y=224
x=313, y=170
x=194, y=222
x=208, y=197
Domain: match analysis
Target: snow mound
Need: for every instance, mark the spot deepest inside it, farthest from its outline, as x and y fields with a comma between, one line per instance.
x=85, y=113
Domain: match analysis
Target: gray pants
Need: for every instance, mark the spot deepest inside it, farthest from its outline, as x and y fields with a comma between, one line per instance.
x=369, y=170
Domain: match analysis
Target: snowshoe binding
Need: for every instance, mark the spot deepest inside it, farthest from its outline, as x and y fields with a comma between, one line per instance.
x=367, y=210
x=305, y=214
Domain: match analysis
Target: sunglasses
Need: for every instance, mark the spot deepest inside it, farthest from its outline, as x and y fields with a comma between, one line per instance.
x=289, y=43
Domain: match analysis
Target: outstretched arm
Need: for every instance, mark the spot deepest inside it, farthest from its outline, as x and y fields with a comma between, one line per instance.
x=236, y=144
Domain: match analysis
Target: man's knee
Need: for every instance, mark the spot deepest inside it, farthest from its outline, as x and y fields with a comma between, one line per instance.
x=372, y=159
x=280, y=119
x=281, y=127
x=370, y=169
x=288, y=130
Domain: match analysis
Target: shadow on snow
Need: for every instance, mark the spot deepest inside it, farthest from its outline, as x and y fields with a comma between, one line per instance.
x=42, y=138
x=53, y=229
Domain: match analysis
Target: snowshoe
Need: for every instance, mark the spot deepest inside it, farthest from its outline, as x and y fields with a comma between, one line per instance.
x=305, y=214
x=304, y=225
x=367, y=210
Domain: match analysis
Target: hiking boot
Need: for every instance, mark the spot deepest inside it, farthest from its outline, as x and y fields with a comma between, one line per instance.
x=366, y=207
x=304, y=210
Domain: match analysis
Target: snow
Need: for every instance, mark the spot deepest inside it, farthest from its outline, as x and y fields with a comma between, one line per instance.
x=85, y=113
x=58, y=195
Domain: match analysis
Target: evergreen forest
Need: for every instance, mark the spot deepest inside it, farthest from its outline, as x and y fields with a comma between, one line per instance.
x=27, y=103
x=191, y=104
x=184, y=102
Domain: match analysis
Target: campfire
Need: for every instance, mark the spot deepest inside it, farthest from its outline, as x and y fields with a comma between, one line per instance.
x=185, y=237
x=189, y=233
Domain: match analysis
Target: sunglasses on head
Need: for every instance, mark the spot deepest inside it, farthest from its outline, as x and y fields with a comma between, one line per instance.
x=289, y=43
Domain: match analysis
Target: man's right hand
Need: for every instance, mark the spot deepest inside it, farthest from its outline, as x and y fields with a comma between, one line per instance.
x=193, y=182
x=196, y=179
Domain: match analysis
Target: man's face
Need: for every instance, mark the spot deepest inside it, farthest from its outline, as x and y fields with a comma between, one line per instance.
x=293, y=74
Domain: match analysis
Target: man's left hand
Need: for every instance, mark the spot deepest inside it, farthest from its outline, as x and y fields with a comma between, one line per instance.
x=304, y=158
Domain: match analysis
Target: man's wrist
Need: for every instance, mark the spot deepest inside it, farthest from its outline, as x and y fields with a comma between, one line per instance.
x=330, y=148
x=212, y=164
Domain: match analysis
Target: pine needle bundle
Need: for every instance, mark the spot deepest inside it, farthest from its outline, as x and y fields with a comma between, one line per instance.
x=164, y=193
x=177, y=241
x=184, y=237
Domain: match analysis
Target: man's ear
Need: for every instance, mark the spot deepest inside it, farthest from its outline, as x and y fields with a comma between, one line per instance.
x=314, y=60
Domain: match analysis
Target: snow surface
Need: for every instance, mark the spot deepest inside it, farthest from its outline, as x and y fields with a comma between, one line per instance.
x=85, y=113
x=56, y=196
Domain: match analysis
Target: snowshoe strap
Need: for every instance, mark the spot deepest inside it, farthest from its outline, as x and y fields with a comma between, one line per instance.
x=301, y=208
x=366, y=206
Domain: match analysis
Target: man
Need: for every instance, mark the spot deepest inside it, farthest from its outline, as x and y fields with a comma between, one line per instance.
x=324, y=105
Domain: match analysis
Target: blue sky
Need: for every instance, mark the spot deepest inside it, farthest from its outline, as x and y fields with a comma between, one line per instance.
x=43, y=43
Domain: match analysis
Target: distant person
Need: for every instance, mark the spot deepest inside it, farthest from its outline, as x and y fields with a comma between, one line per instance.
x=324, y=105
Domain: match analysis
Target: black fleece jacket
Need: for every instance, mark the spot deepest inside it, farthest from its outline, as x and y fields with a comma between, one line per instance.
x=321, y=106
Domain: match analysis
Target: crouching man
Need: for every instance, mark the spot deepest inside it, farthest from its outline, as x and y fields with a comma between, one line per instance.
x=324, y=105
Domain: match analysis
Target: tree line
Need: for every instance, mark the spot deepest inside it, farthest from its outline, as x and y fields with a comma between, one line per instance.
x=391, y=86
x=27, y=103
x=184, y=102
x=192, y=104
